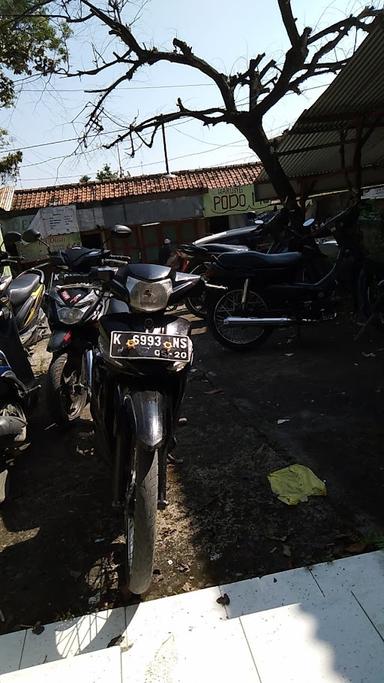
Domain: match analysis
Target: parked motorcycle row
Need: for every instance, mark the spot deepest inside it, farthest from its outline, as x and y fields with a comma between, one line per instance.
x=118, y=343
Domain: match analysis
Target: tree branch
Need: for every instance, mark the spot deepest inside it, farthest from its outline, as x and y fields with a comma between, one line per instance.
x=182, y=54
x=294, y=60
x=351, y=21
x=93, y=72
x=155, y=122
x=289, y=21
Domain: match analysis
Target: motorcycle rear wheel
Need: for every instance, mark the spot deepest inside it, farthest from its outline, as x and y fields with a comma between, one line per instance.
x=238, y=338
x=140, y=520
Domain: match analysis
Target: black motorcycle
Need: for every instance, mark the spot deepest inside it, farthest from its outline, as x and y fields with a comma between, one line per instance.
x=73, y=308
x=272, y=234
x=17, y=387
x=262, y=292
x=138, y=375
x=197, y=258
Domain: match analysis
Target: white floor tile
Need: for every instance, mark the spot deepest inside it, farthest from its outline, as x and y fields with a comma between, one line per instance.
x=68, y=638
x=352, y=573
x=332, y=642
x=214, y=653
x=153, y=623
x=95, y=667
x=11, y=647
x=372, y=602
x=267, y=592
x=177, y=613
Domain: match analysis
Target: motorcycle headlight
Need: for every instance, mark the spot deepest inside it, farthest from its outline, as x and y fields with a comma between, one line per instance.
x=70, y=316
x=149, y=296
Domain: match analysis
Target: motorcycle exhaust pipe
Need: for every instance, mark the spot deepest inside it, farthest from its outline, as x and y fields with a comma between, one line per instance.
x=238, y=321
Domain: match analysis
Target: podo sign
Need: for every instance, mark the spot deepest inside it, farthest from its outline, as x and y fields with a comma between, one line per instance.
x=232, y=200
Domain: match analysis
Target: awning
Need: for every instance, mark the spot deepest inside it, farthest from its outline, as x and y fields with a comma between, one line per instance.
x=325, y=140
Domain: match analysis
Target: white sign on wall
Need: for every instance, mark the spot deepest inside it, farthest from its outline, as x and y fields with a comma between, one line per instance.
x=56, y=220
x=58, y=227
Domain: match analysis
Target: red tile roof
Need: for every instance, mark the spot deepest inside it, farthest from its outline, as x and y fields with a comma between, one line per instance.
x=199, y=180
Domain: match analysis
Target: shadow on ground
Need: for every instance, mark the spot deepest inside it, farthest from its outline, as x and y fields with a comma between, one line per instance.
x=61, y=549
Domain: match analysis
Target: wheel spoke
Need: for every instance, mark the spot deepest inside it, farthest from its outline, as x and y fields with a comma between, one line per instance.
x=231, y=304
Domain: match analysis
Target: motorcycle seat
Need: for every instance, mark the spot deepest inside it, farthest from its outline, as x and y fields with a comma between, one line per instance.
x=22, y=287
x=256, y=259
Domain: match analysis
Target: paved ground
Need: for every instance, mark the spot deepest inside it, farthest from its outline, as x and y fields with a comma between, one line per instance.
x=61, y=546
x=324, y=624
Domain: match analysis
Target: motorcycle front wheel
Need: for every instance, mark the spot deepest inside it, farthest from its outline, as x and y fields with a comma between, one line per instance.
x=238, y=338
x=140, y=520
x=66, y=394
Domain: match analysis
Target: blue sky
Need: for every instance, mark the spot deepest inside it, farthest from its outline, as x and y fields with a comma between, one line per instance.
x=226, y=34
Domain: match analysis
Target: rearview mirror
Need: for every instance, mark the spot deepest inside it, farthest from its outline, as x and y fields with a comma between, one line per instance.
x=31, y=235
x=11, y=238
x=121, y=231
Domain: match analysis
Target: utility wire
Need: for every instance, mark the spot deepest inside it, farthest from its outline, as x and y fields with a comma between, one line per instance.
x=93, y=135
x=182, y=156
x=152, y=163
x=135, y=87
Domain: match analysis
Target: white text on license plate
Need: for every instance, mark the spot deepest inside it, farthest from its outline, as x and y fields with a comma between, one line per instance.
x=152, y=346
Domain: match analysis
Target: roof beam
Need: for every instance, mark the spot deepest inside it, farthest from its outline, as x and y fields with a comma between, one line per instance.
x=342, y=116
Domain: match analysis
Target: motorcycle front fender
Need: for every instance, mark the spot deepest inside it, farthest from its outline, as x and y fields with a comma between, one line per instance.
x=148, y=412
x=141, y=427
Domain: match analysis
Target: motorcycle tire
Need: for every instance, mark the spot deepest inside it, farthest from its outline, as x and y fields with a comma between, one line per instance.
x=65, y=408
x=140, y=517
x=239, y=338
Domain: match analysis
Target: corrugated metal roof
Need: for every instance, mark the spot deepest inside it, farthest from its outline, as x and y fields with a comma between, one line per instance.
x=359, y=87
x=6, y=197
x=312, y=146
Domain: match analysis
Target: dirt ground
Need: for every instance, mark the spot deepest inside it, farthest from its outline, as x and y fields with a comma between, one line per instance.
x=62, y=546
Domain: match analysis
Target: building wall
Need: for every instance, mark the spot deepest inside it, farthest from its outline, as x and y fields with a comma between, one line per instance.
x=179, y=219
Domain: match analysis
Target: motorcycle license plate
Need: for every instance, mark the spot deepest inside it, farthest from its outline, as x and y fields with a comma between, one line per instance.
x=140, y=345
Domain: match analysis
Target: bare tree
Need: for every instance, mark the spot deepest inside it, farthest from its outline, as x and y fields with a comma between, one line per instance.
x=311, y=53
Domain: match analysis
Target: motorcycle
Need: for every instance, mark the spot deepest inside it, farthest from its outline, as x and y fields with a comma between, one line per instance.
x=273, y=234
x=73, y=308
x=26, y=293
x=262, y=292
x=138, y=375
x=198, y=258
x=17, y=387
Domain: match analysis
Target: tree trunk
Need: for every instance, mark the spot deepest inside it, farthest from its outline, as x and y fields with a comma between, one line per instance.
x=260, y=144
